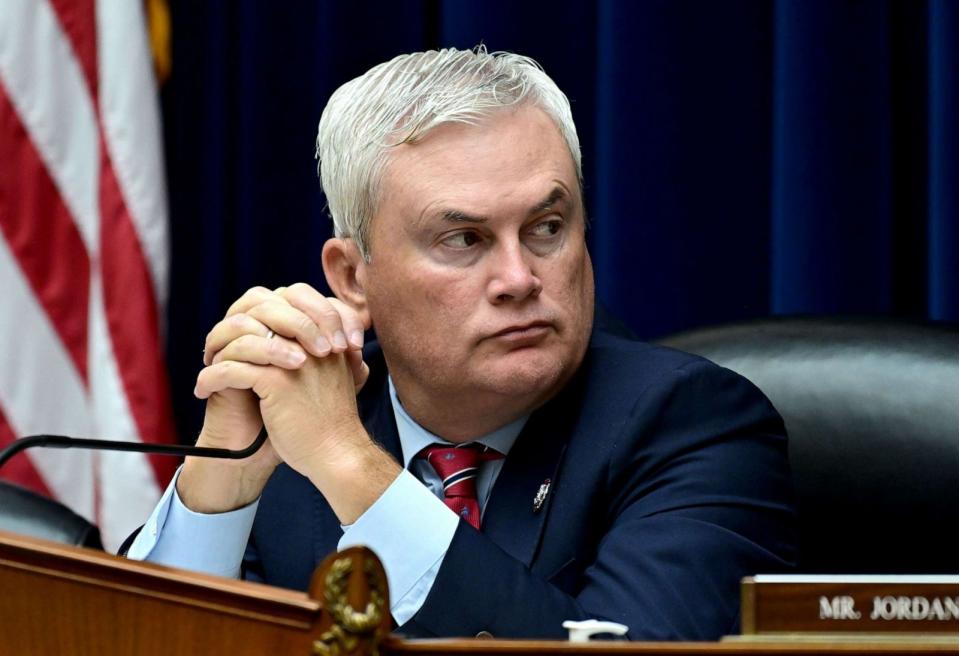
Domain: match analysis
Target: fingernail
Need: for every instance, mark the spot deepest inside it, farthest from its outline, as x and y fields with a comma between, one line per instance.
x=356, y=338
x=322, y=345
x=339, y=339
x=295, y=357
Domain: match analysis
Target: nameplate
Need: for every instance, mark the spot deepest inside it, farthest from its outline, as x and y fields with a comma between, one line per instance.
x=835, y=604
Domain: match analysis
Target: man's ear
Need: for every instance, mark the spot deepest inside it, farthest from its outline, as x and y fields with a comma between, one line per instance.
x=343, y=266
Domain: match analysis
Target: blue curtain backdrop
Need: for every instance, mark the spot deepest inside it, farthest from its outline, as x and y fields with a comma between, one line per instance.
x=742, y=158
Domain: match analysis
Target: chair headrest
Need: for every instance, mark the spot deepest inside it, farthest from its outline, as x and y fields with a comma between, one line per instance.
x=27, y=513
x=872, y=411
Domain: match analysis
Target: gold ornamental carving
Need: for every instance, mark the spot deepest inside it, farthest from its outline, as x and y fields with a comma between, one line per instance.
x=351, y=626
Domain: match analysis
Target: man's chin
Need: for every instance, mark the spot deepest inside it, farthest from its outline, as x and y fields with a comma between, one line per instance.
x=535, y=378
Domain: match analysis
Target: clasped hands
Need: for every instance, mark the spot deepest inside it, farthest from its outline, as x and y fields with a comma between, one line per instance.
x=288, y=359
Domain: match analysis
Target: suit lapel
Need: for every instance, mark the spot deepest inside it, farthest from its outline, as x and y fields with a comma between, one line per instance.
x=375, y=406
x=510, y=519
x=380, y=423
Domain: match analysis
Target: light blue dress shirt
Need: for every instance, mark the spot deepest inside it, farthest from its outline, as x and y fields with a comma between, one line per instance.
x=408, y=527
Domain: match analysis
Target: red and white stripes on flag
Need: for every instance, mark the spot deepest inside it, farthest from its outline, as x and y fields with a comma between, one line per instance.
x=83, y=253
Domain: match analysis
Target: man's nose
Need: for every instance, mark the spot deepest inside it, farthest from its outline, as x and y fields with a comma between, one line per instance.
x=512, y=277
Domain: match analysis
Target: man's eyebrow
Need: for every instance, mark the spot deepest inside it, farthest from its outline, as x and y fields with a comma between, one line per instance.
x=457, y=216
x=558, y=194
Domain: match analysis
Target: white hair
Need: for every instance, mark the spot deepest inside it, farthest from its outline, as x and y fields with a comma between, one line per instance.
x=400, y=101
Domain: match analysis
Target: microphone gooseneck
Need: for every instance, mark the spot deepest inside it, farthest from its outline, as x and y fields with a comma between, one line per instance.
x=63, y=442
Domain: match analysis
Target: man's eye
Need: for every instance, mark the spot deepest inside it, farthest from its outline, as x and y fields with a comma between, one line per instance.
x=461, y=240
x=547, y=228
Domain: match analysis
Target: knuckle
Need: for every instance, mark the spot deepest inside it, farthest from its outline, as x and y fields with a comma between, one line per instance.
x=280, y=298
x=266, y=305
x=328, y=311
x=274, y=346
x=239, y=319
x=203, y=378
x=300, y=288
x=341, y=308
x=302, y=296
x=305, y=325
x=241, y=344
x=256, y=311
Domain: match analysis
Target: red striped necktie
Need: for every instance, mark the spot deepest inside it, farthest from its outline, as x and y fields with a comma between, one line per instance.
x=457, y=466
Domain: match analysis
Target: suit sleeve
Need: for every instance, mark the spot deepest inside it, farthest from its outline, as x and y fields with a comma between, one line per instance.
x=697, y=495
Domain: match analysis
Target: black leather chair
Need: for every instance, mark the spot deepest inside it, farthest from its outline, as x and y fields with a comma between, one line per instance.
x=27, y=513
x=872, y=411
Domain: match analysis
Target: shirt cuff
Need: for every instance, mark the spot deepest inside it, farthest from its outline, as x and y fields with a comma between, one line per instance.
x=176, y=536
x=409, y=529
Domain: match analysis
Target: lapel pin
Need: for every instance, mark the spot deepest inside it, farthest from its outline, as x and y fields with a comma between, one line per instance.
x=540, y=497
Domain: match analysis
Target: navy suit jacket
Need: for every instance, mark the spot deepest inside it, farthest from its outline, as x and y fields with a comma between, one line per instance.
x=669, y=482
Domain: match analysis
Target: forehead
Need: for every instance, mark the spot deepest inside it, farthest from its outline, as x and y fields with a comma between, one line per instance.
x=513, y=157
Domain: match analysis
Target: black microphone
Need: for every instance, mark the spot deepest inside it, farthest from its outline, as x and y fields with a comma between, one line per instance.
x=63, y=442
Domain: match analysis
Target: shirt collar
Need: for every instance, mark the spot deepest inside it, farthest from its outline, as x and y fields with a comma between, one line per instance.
x=414, y=438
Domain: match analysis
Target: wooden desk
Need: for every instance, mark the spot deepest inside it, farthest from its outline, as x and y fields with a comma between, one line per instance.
x=776, y=648
x=56, y=599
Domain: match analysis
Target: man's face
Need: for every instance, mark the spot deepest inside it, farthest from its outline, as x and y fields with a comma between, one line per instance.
x=480, y=287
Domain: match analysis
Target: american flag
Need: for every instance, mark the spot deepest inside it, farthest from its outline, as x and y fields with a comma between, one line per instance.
x=83, y=253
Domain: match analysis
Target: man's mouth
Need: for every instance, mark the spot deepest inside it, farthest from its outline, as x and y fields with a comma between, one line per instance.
x=526, y=334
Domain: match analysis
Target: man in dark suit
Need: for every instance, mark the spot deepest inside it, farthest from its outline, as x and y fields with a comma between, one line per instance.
x=588, y=475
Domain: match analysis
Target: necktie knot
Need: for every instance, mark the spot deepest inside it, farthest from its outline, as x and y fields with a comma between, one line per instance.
x=457, y=467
